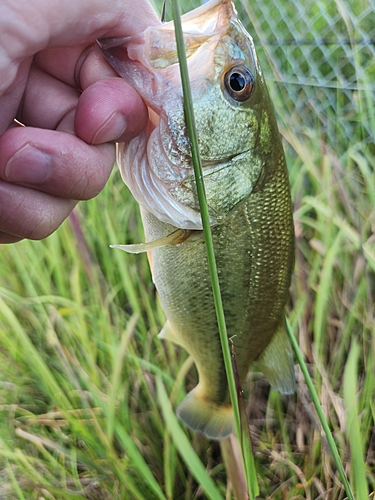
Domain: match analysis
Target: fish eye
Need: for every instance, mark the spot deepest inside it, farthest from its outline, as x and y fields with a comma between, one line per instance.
x=239, y=82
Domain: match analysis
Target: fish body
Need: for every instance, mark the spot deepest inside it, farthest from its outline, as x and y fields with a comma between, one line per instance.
x=248, y=197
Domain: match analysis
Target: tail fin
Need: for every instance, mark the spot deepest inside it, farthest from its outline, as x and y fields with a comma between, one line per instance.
x=202, y=415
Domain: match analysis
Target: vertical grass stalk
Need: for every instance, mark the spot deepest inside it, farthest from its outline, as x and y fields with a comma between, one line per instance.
x=323, y=421
x=198, y=172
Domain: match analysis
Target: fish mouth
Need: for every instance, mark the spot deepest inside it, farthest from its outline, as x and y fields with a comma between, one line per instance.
x=154, y=50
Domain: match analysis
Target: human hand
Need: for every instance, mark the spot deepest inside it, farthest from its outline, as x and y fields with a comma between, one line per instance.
x=55, y=82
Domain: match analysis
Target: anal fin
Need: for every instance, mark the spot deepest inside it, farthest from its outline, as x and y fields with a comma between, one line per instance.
x=276, y=362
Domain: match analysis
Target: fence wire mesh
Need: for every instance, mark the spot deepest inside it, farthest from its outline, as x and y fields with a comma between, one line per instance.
x=319, y=61
x=322, y=57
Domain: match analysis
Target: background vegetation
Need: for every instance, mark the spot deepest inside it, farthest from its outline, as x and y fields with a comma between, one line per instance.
x=87, y=390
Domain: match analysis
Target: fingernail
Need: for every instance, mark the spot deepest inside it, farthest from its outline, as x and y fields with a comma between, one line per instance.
x=28, y=166
x=111, y=130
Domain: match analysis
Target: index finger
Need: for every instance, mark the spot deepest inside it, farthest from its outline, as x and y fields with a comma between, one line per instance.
x=82, y=64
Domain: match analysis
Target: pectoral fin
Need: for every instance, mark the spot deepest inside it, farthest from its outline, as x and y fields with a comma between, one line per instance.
x=276, y=362
x=178, y=236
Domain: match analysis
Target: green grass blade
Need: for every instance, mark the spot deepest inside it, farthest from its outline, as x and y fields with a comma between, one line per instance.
x=183, y=445
x=323, y=421
x=139, y=461
x=50, y=383
x=353, y=422
x=116, y=376
x=14, y=482
x=248, y=457
x=321, y=302
x=190, y=121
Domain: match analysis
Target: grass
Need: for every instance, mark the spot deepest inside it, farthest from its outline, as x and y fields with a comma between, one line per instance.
x=86, y=385
x=87, y=390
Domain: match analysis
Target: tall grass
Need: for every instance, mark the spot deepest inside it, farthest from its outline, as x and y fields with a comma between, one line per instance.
x=87, y=390
x=84, y=379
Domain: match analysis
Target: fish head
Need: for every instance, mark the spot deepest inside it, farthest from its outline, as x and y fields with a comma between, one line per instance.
x=233, y=115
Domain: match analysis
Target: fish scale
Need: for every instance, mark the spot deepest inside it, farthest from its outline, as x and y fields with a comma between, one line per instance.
x=248, y=196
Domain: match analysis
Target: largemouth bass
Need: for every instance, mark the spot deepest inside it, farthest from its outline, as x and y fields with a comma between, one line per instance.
x=248, y=196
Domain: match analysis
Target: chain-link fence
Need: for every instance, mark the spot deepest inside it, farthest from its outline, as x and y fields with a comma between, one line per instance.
x=319, y=61
x=322, y=56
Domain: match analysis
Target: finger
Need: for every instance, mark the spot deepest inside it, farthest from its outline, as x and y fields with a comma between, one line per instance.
x=10, y=100
x=26, y=213
x=110, y=110
x=55, y=162
x=82, y=64
x=66, y=64
x=44, y=23
x=46, y=100
x=8, y=238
